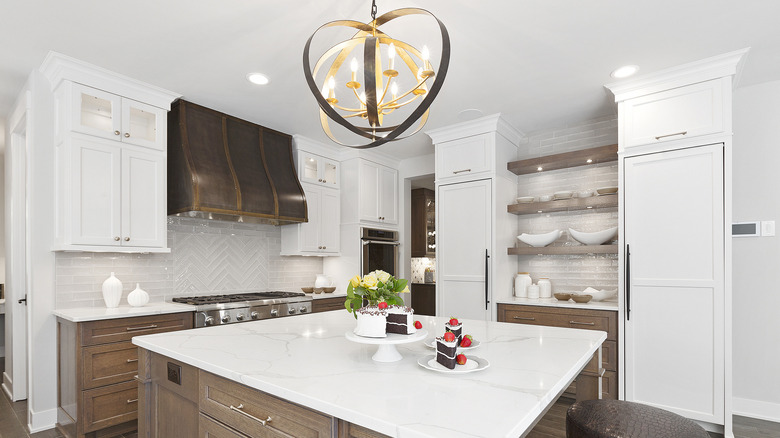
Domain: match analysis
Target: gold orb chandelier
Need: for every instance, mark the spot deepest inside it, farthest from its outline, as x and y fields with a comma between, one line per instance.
x=362, y=107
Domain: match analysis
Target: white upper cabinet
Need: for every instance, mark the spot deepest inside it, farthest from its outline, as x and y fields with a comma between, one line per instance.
x=316, y=169
x=378, y=193
x=143, y=199
x=321, y=234
x=96, y=112
x=464, y=157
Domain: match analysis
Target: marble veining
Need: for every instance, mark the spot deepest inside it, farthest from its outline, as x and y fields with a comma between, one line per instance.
x=83, y=314
x=308, y=360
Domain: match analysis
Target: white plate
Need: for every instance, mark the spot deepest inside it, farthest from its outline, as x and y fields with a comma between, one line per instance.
x=473, y=363
x=431, y=343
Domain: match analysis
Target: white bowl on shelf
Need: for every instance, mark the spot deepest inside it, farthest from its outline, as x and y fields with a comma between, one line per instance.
x=564, y=194
x=596, y=238
x=525, y=199
x=540, y=240
x=599, y=295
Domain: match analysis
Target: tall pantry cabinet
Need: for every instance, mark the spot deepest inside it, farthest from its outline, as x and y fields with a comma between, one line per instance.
x=473, y=187
x=675, y=213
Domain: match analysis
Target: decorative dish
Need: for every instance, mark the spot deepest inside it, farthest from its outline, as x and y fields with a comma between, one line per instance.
x=540, y=240
x=525, y=199
x=596, y=238
x=562, y=296
x=607, y=191
x=581, y=298
x=431, y=343
x=473, y=363
x=565, y=194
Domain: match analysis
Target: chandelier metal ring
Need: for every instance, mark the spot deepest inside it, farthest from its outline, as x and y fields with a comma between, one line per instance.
x=372, y=38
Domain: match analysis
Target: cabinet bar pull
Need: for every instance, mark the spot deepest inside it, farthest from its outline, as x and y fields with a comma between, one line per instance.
x=132, y=360
x=240, y=408
x=627, y=285
x=150, y=326
x=671, y=135
x=132, y=401
x=582, y=323
x=524, y=318
x=461, y=171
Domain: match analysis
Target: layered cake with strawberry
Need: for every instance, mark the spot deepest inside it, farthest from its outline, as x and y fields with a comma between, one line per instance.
x=446, y=350
x=400, y=319
x=455, y=327
x=371, y=322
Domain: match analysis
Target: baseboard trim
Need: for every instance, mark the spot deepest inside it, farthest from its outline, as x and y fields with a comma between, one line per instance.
x=44, y=420
x=756, y=409
x=8, y=385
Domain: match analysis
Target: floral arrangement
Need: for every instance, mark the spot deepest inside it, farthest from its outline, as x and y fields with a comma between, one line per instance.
x=375, y=287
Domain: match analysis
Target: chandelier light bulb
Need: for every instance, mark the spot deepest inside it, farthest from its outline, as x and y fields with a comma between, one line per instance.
x=331, y=83
x=353, y=66
x=394, y=90
x=391, y=56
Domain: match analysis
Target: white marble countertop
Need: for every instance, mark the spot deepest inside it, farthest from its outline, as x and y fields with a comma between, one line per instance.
x=611, y=304
x=83, y=314
x=308, y=360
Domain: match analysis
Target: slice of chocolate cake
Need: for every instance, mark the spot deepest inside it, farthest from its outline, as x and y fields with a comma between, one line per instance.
x=456, y=330
x=446, y=352
x=400, y=320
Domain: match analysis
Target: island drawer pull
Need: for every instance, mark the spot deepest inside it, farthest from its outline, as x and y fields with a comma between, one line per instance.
x=240, y=410
x=150, y=326
x=671, y=135
x=132, y=360
x=582, y=323
x=524, y=318
x=461, y=171
x=132, y=401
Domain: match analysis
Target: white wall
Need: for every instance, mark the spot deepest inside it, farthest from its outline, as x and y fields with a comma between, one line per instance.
x=756, y=303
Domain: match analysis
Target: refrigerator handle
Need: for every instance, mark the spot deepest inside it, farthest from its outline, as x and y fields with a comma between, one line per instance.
x=628, y=283
x=487, y=278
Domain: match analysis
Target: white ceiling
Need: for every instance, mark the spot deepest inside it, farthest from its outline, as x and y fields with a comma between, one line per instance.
x=541, y=63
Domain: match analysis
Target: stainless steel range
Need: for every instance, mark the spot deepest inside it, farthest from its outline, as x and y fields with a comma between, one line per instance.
x=229, y=309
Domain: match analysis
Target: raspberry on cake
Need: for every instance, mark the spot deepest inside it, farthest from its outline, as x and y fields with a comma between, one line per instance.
x=371, y=322
x=400, y=319
x=446, y=352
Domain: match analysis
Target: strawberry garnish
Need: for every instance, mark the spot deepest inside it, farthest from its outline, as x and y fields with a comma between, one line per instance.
x=382, y=305
x=468, y=336
x=449, y=336
x=465, y=342
x=417, y=325
x=460, y=359
x=454, y=321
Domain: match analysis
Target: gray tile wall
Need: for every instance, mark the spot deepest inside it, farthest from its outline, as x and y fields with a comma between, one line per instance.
x=569, y=273
x=207, y=257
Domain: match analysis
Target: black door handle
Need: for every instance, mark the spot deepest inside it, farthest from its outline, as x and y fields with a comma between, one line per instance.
x=628, y=283
x=23, y=300
x=487, y=279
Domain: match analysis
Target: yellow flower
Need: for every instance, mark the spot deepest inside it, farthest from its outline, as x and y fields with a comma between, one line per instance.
x=369, y=280
x=382, y=276
x=406, y=289
x=355, y=281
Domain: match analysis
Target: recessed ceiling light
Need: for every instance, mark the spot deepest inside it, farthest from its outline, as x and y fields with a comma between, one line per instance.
x=624, y=72
x=257, y=78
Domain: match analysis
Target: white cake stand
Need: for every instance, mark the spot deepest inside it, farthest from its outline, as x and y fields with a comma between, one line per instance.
x=386, y=352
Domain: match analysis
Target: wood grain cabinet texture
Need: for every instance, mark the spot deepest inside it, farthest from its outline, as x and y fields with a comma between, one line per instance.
x=586, y=384
x=97, y=392
x=328, y=304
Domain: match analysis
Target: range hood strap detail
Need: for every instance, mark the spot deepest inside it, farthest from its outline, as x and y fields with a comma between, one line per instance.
x=230, y=163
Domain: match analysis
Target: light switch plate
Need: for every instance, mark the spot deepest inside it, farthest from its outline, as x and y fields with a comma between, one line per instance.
x=767, y=228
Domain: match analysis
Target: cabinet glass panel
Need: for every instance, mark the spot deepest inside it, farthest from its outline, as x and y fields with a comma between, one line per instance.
x=330, y=173
x=143, y=124
x=310, y=168
x=96, y=113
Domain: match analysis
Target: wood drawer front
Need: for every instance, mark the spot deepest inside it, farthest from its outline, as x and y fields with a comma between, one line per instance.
x=123, y=329
x=328, y=304
x=603, y=320
x=664, y=116
x=110, y=405
x=608, y=358
x=349, y=430
x=107, y=364
x=210, y=428
x=218, y=395
x=609, y=385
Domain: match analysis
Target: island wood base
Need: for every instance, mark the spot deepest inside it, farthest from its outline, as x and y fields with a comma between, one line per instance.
x=176, y=399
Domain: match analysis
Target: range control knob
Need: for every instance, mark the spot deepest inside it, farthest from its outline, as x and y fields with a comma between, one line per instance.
x=240, y=317
x=254, y=315
x=209, y=320
x=303, y=309
x=274, y=312
x=291, y=310
x=226, y=319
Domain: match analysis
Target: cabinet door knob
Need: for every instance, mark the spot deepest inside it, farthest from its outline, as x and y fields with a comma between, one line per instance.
x=127, y=239
x=324, y=247
x=324, y=181
x=127, y=135
x=116, y=132
x=320, y=180
x=116, y=238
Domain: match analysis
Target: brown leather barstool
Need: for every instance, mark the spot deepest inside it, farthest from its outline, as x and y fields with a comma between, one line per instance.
x=622, y=419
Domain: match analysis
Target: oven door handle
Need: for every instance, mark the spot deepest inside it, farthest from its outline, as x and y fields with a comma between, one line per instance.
x=381, y=242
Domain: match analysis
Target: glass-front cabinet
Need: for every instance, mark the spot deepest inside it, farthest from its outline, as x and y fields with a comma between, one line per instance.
x=319, y=170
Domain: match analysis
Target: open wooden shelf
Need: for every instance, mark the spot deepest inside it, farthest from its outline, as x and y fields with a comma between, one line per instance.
x=603, y=201
x=601, y=154
x=563, y=250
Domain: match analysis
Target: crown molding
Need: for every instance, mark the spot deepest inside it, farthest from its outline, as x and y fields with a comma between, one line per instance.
x=482, y=125
x=727, y=64
x=303, y=143
x=57, y=67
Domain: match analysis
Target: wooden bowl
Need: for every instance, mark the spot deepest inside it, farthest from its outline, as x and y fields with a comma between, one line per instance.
x=581, y=298
x=307, y=290
x=562, y=297
x=329, y=289
x=317, y=290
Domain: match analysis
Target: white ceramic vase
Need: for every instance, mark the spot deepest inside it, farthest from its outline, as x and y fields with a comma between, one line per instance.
x=112, y=291
x=322, y=280
x=138, y=297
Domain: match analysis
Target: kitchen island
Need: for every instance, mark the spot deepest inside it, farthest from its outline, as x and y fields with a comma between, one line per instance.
x=308, y=361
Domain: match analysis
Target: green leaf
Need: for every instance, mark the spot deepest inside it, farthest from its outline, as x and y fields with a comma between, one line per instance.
x=350, y=291
x=400, y=285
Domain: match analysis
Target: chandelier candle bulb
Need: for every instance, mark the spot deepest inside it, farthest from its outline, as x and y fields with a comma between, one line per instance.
x=391, y=57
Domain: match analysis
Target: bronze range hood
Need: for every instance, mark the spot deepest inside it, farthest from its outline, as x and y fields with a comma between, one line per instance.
x=224, y=168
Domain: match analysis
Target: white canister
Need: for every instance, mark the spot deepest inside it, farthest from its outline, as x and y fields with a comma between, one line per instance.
x=138, y=297
x=522, y=280
x=112, y=291
x=545, y=287
x=322, y=280
x=533, y=291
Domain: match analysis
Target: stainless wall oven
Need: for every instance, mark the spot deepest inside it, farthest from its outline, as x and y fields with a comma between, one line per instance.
x=380, y=251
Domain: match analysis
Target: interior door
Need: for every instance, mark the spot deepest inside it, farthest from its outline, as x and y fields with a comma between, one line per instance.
x=463, y=236
x=674, y=327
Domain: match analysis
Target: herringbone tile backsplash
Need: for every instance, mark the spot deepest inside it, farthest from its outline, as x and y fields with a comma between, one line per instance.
x=207, y=257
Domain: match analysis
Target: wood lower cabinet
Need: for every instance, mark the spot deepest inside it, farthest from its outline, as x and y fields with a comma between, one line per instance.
x=97, y=393
x=328, y=304
x=178, y=400
x=586, y=385
x=424, y=299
